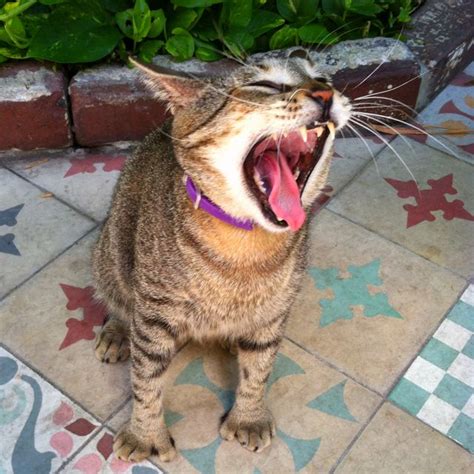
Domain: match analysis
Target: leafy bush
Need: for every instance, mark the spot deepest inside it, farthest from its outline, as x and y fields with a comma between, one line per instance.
x=81, y=31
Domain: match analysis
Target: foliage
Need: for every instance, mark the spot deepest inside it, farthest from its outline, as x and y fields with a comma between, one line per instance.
x=81, y=31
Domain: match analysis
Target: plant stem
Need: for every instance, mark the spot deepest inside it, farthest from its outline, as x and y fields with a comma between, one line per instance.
x=16, y=11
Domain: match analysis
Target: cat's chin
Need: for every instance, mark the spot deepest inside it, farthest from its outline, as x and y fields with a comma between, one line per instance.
x=277, y=170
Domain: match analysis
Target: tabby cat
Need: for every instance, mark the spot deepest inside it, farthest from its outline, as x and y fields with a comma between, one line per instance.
x=206, y=235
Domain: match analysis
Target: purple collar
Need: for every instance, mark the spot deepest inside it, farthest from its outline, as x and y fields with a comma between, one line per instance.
x=208, y=206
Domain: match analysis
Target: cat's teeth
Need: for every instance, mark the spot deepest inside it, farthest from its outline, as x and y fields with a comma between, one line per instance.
x=332, y=129
x=304, y=133
x=274, y=136
x=296, y=174
x=319, y=131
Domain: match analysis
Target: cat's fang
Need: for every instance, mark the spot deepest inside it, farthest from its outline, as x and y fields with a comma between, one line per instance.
x=332, y=129
x=319, y=131
x=304, y=133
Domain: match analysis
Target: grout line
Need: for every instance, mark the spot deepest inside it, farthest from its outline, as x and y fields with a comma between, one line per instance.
x=114, y=413
x=48, y=380
x=78, y=450
x=398, y=244
x=355, y=439
x=334, y=367
x=56, y=257
x=426, y=341
x=57, y=198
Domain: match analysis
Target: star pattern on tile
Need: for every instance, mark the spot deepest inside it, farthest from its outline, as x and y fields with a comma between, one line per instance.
x=88, y=164
x=8, y=217
x=350, y=292
x=430, y=200
x=93, y=314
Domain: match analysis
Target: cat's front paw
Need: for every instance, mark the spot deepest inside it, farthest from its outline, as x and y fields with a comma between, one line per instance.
x=128, y=447
x=253, y=433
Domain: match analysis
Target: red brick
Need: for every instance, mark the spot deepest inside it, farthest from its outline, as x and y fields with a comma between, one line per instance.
x=33, y=107
x=110, y=104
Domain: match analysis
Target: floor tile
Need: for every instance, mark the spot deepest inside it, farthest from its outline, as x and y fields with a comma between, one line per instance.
x=318, y=412
x=33, y=229
x=453, y=109
x=396, y=443
x=39, y=426
x=51, y=322
x=440, y=392
x=82, y=179
x=97, y=457
x=437, y=224
x=367, y=305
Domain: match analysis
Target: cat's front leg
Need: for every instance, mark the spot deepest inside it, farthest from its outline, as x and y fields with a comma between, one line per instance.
x=249, y=420
x=153, y=343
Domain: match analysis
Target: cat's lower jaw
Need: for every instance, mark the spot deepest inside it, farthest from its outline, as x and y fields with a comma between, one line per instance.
x=253, y=432
x=129, y=447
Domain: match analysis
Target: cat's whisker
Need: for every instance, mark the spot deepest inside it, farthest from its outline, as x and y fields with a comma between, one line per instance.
x=389, y=99
x=364, y=141
x=332, y=32
x=293, y=94
x=380, y=137
x=382, y=63
x=410, y=125
x=377, y=94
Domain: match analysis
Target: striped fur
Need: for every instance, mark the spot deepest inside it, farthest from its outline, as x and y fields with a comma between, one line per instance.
x=170, y=273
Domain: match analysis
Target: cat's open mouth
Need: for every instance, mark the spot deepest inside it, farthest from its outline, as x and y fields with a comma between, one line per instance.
x=277, y=170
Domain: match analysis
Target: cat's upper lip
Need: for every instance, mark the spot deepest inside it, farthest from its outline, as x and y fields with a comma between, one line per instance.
x=278, y=167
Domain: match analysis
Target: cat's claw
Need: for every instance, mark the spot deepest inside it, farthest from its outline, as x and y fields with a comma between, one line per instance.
x=129, y=448
x=254, y=435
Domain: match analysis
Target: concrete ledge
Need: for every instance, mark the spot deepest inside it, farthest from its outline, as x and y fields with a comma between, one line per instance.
x=33, y=107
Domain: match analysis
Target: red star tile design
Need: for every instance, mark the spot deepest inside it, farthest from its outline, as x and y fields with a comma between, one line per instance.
x=430, y=200
x=93, y=314
x=88, y=165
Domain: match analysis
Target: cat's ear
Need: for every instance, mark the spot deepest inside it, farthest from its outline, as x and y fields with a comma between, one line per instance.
x=176, y=88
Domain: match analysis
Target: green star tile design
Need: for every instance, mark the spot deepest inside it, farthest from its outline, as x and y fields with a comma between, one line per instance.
x=172, y=417
x=463, y=431
x=409, y=396
x=302, y=450
x=439, y=354
x=463, y=314
x=283, y=367
x=203, y=459
x=332, y=402
x=349, y=292
x=453, y=391
x=194, y=373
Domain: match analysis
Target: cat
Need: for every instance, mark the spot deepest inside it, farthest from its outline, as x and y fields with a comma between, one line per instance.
x=206, y=235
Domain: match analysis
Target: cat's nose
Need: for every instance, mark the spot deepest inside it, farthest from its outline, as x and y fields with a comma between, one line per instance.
x=324, y=99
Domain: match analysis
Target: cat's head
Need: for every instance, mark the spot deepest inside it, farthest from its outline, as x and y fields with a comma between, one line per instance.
x=258, y=142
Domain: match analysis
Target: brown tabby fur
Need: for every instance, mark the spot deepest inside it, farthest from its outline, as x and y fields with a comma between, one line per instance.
x=169, y=273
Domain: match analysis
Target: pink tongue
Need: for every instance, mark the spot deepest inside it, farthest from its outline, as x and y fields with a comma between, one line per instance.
x=284, y=196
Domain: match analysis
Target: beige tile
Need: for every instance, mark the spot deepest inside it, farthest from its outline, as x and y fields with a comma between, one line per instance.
x=395, y=442
x=33, y=324
x=373, y=202
x=197, y=406
x=373, y=349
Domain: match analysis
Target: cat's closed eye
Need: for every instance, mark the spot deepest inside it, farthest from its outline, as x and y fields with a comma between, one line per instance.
x=277, y=88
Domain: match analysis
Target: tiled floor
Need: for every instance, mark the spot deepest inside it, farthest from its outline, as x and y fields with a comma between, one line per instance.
x=376, y=373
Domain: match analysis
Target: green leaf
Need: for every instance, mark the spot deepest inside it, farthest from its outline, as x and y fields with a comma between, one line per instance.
x=333, y=7
x=115, y=6
x=158, y=21
x=263, y=21
x=239, y=42
x=125, y=22
x=141, y=20
x=180, y=45
x=195, y=3
x=181, y=18
x=75, y=33
x=316, y=33
x=206, y=52
x=3, y=58
x=16, y=31
x=284, y=38
x=149, y=49
x=364, y=7
x=298, y=11
x=12, y=52
x=51, y=2
x=236, y=14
